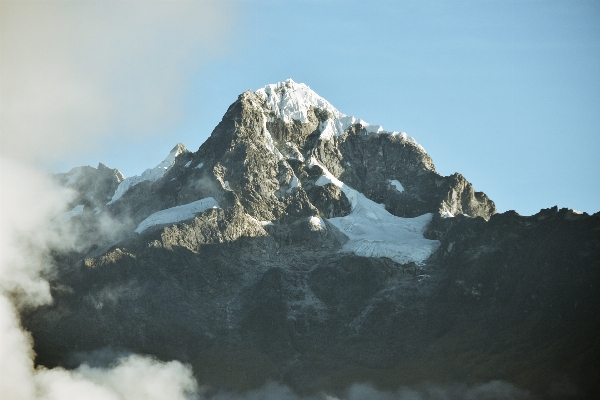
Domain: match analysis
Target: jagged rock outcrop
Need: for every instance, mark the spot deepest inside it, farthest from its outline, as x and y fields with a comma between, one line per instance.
x=93, y=186
x=268, y=165
x=335, y=253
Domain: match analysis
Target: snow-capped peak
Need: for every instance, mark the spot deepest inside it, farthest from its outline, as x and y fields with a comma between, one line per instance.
x=170, y=160
x=292, y=101
x=151, y=174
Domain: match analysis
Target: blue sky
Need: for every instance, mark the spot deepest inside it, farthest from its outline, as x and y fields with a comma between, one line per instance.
x=505, y=92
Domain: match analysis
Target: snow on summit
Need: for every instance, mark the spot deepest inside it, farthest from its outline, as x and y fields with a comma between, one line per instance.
x=291, y=101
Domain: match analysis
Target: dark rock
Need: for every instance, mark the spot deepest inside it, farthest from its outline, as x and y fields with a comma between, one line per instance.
x=253, y=291
x=94, y=187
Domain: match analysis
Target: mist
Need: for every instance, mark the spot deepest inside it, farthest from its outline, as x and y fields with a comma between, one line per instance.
x=72, y=74
x=75, y=72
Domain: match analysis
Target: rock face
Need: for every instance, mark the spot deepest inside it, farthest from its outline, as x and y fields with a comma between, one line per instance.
x=93, y=186
x=336, y=254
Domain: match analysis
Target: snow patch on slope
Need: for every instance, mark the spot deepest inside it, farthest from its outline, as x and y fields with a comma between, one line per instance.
x=409, y=139
x=374, y=232
x=292, y=101
x=294, y=183
x=177, y=214
x=316, y=224
x=151, y=174
x=447, y=214
x=397, y=185
x=291, y=152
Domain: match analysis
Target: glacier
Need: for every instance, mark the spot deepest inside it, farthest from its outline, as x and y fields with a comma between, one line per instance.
x=373, y=232
x=177, y=214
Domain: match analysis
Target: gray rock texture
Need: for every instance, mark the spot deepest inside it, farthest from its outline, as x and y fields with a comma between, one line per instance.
x=253, y=291
x=93, y=186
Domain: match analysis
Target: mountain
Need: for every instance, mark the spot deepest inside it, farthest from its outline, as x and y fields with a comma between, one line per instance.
x=305, y=246
x=93, y=186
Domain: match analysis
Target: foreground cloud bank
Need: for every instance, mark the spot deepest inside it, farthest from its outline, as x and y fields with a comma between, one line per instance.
x=29, y=205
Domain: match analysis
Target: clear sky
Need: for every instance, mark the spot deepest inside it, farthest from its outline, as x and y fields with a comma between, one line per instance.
x=505, y=92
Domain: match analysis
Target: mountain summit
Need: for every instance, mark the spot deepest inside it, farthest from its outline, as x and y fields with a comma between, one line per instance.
x=275, y=144
x=305, y=246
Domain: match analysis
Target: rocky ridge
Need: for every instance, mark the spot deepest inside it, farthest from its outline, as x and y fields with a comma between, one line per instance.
x=272, y=285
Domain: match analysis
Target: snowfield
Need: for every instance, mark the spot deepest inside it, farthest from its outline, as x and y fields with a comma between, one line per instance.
x=177, y=214
x=397, y=185
x=374, y=232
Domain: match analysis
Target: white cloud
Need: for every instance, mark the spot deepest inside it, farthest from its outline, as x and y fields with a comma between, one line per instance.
x=74, y=72
x=133, y=378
